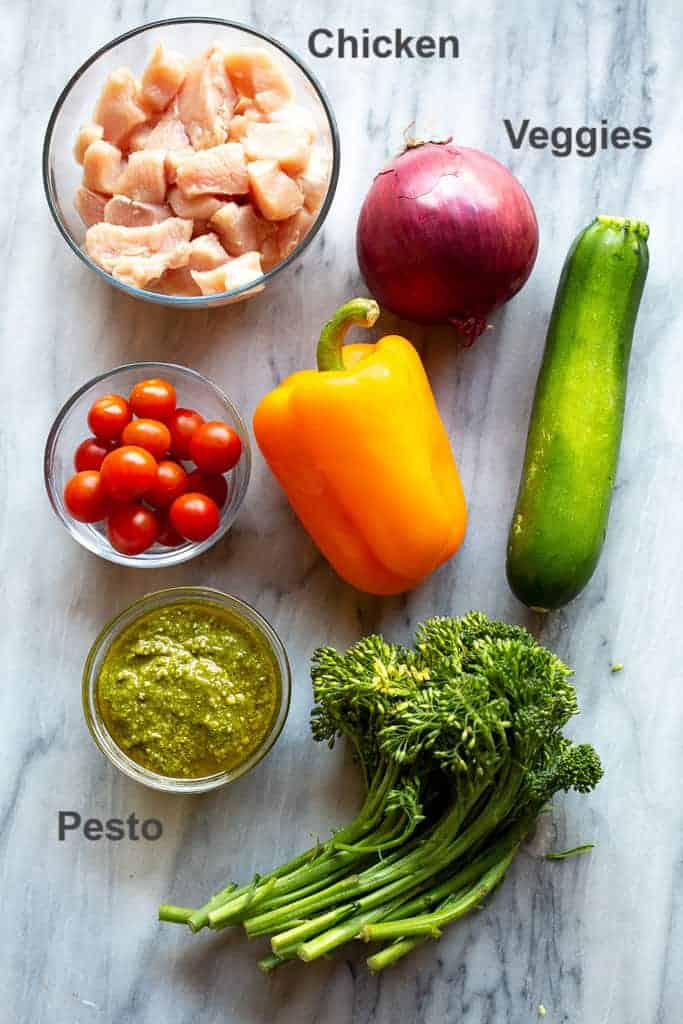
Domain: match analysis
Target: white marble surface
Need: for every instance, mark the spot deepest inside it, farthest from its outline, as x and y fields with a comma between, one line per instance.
x=598, y=939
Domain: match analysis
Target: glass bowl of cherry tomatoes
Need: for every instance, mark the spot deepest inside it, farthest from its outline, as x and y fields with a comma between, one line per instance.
x=147, y=465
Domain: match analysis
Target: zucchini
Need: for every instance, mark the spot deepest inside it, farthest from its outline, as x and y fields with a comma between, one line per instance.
x=560, y=519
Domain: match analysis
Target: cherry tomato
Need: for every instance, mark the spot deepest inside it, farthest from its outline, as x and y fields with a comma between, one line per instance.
x=182, y=425
x=153, y=399
x=132, y=529
x=128, y=473
x=216, y=487
x=91, y=452
x=85, y=497
x=152, y=435
x=195, y=516
x=168, y=536
x=215, y=447
x=171, y=481
x=108, y=416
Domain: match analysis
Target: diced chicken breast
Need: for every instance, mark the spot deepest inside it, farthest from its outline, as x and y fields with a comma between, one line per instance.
x=169, y=133
x=90, y=205
x=102, y=167
x=89, y=133
x=119, y=109
x=240, y=228
x=244, y=105
x=207, y=253
x=234, y=274
x=133, y=214
x=276, y=194
x=239, y=126
x=286, y=238
x=291, y=231
x=201, y=227
x=138, y=271
x=280, y=142
x=139, y=138
x=172, y=162
x=176, y=282
x=255, y=74
x=201, y=208
x=144, y=177
x=315, y=178
x=163, y=77
x=107, y=243
x=140, y=255
x=220, y=170
x=297, y=118
x=206, y=100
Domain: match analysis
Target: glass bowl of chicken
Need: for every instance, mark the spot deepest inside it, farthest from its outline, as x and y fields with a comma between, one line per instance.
x=190, y=160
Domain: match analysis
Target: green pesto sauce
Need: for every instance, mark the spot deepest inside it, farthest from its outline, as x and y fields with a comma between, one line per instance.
x=189, y=690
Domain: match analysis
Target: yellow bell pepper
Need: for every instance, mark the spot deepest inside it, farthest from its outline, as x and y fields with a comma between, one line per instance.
x=362, y=454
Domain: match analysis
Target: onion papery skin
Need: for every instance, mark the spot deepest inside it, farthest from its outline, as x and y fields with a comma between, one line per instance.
x=446, y=234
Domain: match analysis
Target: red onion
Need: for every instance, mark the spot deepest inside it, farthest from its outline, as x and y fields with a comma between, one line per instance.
x=446, y=233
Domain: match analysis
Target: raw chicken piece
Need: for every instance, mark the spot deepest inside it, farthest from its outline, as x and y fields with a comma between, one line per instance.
x=90, y=206
x=234, y=274
x=201, y=227
x=201, y=208
x=245, y=105
x=240, y=228
x=169, y=133
x=174, y=159
x=102, y=167
x=144, y=178
x=139, y=138
x=207, y=253
x=163, y=77
x=277, y=195
x=221, y=169
x=176, y=282
x=140, y=255
x=256, y=75
x=206, y=100
x=89, y=133
x=107, y=243
x=138, y=271
x=291, y=231
x=297, y=118
x=118, y=109
x=132, y=214
x=280, y=142
x=284, y=241
x=315, y=179
x=239, y=126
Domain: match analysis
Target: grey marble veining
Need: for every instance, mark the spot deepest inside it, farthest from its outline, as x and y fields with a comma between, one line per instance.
x=596, y=940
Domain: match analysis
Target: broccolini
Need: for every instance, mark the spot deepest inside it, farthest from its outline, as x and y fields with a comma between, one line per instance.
x=460, y=743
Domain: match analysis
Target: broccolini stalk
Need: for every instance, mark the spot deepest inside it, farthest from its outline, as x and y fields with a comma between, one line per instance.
x=452, y=908
x=384, y=957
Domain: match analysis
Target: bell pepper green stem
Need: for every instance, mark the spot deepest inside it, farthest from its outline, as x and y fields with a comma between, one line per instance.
x=358, y=312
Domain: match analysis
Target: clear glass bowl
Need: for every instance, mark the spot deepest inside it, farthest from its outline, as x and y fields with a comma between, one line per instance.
x=113, y=629
x=190, y=36
x=71, y=427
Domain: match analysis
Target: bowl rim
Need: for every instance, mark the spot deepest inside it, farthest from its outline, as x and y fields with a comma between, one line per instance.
x=191, y=301
x=173, y=556
x=107, y=635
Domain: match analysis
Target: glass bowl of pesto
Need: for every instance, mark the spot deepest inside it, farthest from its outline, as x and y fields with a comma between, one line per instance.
x=186, y=689
x=70, y=427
